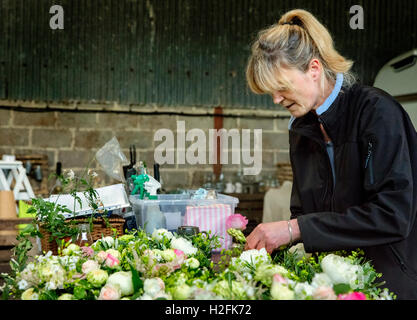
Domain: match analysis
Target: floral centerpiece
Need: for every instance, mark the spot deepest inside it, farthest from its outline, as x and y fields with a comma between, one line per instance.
x=164, y=265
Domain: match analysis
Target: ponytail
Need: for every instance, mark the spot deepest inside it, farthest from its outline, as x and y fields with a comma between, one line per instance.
x=293, y=42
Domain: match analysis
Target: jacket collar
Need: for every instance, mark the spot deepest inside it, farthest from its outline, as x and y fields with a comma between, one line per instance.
x=328, y=113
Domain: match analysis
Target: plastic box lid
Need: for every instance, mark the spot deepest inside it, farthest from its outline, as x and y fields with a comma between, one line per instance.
x=183, y=199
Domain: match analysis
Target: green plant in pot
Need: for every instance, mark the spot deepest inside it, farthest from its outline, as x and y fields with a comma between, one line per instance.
x=49, y=220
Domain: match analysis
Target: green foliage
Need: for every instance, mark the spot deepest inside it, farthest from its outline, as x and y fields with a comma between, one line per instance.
x=48, y=295
x=302, y=269
x=206, y=242
x=137, y=281
x=48, y=215
x=227, y=255
x=341, y=288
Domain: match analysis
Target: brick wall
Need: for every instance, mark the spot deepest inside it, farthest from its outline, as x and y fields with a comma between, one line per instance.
x=73, y=138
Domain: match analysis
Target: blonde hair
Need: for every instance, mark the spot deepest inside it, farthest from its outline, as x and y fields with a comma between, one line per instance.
x=293, y=42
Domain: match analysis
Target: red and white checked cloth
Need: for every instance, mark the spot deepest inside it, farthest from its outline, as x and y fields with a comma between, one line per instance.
x=211, y=217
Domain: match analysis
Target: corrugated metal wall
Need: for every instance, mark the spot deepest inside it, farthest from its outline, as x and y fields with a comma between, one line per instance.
x=173, y=52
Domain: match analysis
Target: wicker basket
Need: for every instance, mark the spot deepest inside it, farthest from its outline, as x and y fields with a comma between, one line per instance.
x=99, y=230
x=284, y=172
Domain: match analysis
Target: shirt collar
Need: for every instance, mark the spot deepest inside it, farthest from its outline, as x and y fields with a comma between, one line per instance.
x=330, y=99
x=328, y=102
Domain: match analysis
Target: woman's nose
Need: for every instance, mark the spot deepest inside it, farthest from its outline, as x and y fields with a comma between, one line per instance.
x=277, y=98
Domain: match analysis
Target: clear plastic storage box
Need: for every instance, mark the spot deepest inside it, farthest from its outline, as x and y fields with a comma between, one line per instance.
x=168, y=210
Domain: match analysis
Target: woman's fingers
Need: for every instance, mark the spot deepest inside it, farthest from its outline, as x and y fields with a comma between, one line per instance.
x=253, y=239
x=260, y=245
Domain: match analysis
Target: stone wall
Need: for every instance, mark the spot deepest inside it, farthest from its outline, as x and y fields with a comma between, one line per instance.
x=73, y=138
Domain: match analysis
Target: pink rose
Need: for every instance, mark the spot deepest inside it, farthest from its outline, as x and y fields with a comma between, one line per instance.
x=87, y=251
x=352, y=296
x=236, y=221
x=110, y=292
x=112, y=261
x=324, y=293
x=179, y=253
x=280, y=279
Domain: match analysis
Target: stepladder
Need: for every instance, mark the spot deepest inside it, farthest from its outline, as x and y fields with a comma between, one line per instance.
x=13, y=178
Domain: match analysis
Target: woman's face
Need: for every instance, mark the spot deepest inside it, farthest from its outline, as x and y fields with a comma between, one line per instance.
x=306, y=94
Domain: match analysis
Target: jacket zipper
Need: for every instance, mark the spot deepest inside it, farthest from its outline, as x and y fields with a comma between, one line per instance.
x=331, y=172
x=369, y=162
x=402, y=264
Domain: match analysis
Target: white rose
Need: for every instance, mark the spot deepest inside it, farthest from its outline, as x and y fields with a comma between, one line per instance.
x=30, y=294
x=193, y=263
x=124, y=280
x=265, y=273
x=303, y=290
x=168, y=254
x=340, y=270
x=153, y=286
x=183, y=245
x=89, y=265
x=71, y=249
x=321, y=280
x=280, y=291
x=253, y=257
x=163, y=295
x=159, y=234
x=97, y=277
x=182, y=292
x=145, y=296
x=66, y=296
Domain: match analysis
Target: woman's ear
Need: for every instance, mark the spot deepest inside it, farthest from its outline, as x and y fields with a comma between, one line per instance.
x=314, y=69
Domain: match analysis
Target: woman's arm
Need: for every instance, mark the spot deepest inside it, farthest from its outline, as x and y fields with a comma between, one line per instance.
x=273, y=235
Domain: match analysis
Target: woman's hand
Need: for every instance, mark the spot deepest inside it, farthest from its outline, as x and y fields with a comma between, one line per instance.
x=272, y=235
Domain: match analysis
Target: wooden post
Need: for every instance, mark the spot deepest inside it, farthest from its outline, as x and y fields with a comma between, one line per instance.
x=218, y=124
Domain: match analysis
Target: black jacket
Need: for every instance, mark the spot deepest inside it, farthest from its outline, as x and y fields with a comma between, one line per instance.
x=374, y=201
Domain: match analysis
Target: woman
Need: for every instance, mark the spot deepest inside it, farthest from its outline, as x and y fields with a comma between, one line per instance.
x=353, y=152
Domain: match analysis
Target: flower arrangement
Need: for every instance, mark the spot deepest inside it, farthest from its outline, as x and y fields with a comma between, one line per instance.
x=164, y=265
x=49, y=223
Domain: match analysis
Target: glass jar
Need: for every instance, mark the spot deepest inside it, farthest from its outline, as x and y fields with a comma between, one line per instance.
x=84, y=237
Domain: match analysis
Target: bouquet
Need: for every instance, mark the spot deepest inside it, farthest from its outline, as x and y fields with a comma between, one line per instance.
x=164, y=265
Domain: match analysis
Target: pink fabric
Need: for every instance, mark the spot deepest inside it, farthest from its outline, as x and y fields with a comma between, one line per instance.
x=211, y=217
